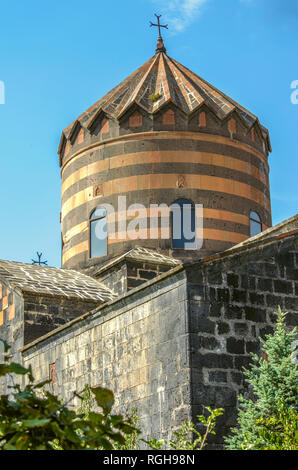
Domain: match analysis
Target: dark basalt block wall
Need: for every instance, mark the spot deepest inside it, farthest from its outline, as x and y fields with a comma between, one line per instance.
x=208, y=161
x=231, y=306
x=43, y=314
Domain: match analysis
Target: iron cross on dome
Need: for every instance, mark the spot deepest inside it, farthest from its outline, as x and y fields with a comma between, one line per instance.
x=158, y=24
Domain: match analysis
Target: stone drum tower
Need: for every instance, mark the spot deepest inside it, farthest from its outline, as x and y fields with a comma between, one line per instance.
x=162, y=136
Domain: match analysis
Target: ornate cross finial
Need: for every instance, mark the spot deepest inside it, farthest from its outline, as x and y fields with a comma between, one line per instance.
x=39, y=260
x=160, y=44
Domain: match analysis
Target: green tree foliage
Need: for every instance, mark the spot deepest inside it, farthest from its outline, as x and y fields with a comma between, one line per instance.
x=188, y=437
x=131, y=440
x=269, y=419
x=30, y=420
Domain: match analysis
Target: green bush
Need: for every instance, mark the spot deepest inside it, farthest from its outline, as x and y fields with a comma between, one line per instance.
x=31, y=420
x=188, y=437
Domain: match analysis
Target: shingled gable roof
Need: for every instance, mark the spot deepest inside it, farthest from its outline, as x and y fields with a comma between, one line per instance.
x=138, y=254
x=165, y=77
x=44, y=280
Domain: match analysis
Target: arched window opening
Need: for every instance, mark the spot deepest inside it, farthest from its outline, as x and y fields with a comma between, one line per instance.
x=183, y=223
x=255, y=224
x=98, y=232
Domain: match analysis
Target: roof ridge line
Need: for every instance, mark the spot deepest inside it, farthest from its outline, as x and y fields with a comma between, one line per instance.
x=134, y=96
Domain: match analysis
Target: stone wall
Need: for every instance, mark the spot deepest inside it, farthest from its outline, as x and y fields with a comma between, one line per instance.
x=11, y=325
x=231, y=306
x=140, y=272
x=137, y=346
x=178, y=342
x=128, y=274
x=43, y=314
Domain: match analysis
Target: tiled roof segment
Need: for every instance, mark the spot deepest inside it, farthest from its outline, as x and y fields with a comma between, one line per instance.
x=44, y=280
x=150, y=256
x=163, y=77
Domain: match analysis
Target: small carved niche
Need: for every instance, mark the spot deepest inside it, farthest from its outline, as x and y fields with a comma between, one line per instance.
x=80, y=137
x=105, y=126
x=136, y=119
x=202, y=119
x=97, y=190
x=168, y=118
x=233, y=126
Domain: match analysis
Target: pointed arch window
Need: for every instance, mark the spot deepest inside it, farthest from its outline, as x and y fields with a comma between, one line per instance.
x=255, y=224
x=98, y=232
x=183, y=223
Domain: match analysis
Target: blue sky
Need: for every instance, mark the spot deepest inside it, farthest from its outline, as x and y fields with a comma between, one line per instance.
x=57, y=58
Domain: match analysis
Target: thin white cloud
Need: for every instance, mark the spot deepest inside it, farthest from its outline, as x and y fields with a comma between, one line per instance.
x=179, y=14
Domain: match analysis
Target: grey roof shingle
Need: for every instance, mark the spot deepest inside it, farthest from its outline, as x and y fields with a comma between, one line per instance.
x=55, y=282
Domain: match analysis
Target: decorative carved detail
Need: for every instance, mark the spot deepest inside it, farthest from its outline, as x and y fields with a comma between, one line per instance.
x=181, y=182
x=98, y=190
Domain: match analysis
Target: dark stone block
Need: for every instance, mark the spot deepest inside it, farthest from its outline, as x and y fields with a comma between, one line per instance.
x=30, y=307
x=213, y=396
x=208, y=342
x=255, y=314
x=237, y=378
x=206, y=326
x=241, y=362
x=239, y=296
x=131, y=283
x=214, y=277
x=266, y=330
x=273, y=300
x=252, y=347
x=241, y=329
x=147, y=274
x=215, y=309
x=287, y=259
x=212, y=360
x=265, y=285
x=233, y=312
x=271, y=270
x=235, y=346
x=255, y=269
x=255, y=298
x=283, y=287
x=53, y=310
x=217, y=376
x=223, y=295
x=291, y=303
x=292, y=320
x=248, y=282
x=212, y=294
x=225, y=395
x=223, y=328
x=163, y=268
x=291, y=273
